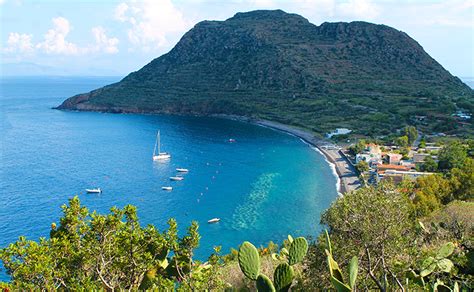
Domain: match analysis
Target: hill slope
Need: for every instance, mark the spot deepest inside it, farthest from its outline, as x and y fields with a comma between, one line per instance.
x=279, y=66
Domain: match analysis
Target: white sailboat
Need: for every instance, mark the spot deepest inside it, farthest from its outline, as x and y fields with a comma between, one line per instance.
x=182, y=170
x=167, y=188
x=158, y=155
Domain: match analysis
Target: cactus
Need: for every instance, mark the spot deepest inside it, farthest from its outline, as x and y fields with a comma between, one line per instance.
x=440, y=262
x=283, y=277
x=298, y=250
x=264, y=284
x=337, y=279
x=249, y=260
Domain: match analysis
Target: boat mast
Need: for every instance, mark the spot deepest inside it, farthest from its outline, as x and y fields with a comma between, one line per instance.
x=156, y=142
x=159, y=146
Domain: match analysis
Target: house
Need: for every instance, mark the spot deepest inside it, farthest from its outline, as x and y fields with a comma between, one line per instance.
x=371, y=154
x=419, y=157
x=385, y=167
x=394, y=158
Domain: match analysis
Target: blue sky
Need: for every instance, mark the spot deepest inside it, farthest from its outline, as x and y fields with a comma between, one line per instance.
x=117, y=37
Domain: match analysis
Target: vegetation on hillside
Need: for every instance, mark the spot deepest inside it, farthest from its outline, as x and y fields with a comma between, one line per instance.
x=273, y=65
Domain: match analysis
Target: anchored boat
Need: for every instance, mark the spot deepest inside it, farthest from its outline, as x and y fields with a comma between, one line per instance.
x=214, y=220
x=158, y=155
x=94, y=191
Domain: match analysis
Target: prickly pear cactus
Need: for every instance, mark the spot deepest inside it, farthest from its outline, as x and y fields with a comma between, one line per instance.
x=298, y=250
x=249, y=260
x=264, y=284
x=283, y=277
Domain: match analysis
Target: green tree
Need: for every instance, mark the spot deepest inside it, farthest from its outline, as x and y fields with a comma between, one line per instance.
x=92, y=251
x=374, y=224
x=462, y=181
x=358, y=147
x=411, y=133
x=362, y=166
x=429, y=193
x=402, y=141
x=452, y=156
x=429, y=165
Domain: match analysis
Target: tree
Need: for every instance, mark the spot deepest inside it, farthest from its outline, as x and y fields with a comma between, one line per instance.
x=429, y=165
x=92, y=251
x=452, y=156
x=374, y=224
x=429, y=193
x=462, y=181
x=411, y=133
x=362, y=166
x=402, y=141
x=358, y=147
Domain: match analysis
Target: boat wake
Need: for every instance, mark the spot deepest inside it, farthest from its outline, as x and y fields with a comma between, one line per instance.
x=246, y=214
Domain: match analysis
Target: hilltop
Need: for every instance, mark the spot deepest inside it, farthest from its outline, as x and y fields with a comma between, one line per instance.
x=278, y=66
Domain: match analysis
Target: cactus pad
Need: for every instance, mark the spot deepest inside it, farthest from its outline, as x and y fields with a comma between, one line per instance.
x=264, y=284
x=298, y=250
x=249, y=260
x=283, y=277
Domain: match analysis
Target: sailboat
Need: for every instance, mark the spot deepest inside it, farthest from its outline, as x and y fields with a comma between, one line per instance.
x=158, y=155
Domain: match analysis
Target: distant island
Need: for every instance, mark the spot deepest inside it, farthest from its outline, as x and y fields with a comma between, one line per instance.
x=272, y=65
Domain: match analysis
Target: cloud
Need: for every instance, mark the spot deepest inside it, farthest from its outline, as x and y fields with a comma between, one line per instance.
x=362, y=9
x=55, y=42
x=19, y=43
x=103, y=43
x=153, y=23
x=55, y=39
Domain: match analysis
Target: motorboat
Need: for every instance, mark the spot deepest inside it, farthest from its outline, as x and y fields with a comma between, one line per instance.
x=94, y=191
x=214, y=220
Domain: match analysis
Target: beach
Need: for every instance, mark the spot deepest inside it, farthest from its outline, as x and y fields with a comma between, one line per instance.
x=348, y=179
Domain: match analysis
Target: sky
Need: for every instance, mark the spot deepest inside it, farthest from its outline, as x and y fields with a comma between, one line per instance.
x=117, y=37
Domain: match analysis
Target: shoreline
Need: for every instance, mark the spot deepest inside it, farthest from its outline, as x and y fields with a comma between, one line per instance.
x=346, y=175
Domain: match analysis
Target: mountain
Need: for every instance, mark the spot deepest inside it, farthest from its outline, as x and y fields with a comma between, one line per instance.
x=278, y=66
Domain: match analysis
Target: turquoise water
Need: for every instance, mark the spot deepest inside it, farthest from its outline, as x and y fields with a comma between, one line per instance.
x=266, y=185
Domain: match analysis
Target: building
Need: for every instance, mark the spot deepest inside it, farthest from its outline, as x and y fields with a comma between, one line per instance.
x=394, y=158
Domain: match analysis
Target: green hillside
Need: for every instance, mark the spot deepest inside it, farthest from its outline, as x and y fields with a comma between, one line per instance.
x=278, y=66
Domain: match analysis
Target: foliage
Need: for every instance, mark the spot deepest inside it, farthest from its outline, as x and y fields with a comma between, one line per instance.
x=362, y=166
x=112, y=251
x=452, y=156
x=429, y=165
x=412, y=134
x=374, y=224
x=337, y=279
x=402, y=141
x=283, y=276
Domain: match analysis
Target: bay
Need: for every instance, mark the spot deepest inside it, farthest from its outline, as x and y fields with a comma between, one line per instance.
x=264, y=186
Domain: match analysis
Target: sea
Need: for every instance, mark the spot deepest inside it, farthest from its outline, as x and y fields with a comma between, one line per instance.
x=264, y=186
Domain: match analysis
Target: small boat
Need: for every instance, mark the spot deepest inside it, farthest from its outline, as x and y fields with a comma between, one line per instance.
x=214, y=220
x=167, y=188
x=231, y=140
x=176, y=178
x=94, y=191
x=158, y=155
x=182, y=170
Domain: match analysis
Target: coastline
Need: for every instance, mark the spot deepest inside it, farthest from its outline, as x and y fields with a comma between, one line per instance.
x=347, y=178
